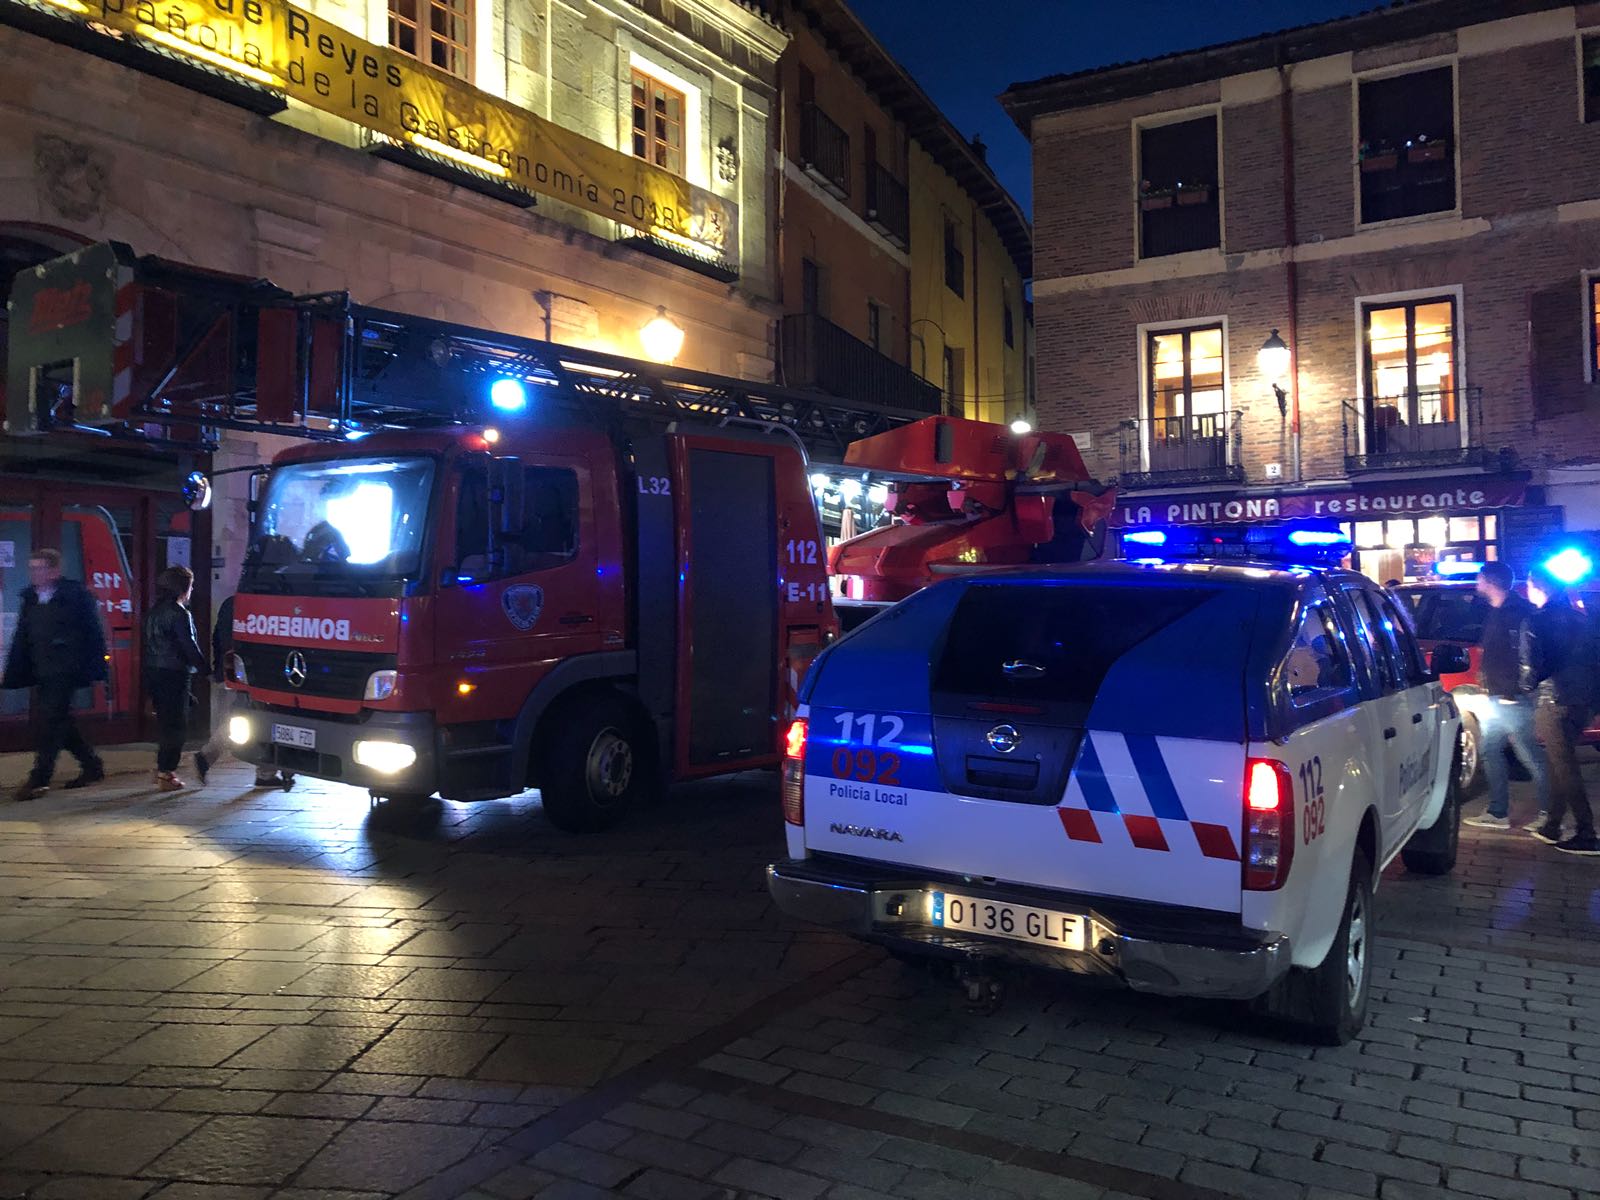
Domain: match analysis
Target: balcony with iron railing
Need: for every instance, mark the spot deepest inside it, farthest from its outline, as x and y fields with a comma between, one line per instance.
x=825, y=150
x=1171, y=451
x=888, y=206
x=815, y=352
x=1422, y=428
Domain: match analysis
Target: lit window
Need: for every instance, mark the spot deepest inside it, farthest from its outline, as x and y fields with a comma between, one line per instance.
x=658, y=117
x=1185, y=400
x=1594, y=325
x=1411, y=376
x=438, y=32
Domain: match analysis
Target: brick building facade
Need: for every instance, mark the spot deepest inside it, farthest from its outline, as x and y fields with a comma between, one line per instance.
x=1407, y=199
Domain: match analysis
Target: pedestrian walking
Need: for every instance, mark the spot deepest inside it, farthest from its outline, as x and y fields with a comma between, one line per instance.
x=172, y=656
x=59, y=649
x=1560, y=671
x=1508, y=722
x=217, y=745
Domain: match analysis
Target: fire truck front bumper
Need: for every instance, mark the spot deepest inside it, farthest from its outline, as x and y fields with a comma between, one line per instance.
x=389, y=753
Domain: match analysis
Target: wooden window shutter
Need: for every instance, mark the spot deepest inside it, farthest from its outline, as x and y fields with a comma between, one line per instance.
x=1557, y=348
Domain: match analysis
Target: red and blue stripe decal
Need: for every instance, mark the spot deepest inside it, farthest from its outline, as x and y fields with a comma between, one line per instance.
x=1160, y=792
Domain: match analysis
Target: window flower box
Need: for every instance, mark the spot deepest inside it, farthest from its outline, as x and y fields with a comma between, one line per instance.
x=1423, y=152
x=1199, y=194
x=1152, y=201
x=1381, y=160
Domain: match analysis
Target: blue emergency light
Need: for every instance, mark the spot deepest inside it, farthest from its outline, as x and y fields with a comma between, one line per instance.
x=1457, y=568
x=508, y=395
x=1146, y=537
x=1569, y=566
x=1277, y=544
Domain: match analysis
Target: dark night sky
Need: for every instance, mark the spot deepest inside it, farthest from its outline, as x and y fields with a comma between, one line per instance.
x=965, y=52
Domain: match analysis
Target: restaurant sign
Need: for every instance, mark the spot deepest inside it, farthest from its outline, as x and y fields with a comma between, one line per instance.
x=275, y=45
x=1370, y=502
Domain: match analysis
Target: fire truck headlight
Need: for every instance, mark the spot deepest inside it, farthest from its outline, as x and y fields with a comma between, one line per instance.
x=233, y=667
x=239, y=730
x=381, y=685
x=386, y=758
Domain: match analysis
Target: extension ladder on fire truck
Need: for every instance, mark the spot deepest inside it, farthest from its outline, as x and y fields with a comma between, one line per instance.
x=142, y=347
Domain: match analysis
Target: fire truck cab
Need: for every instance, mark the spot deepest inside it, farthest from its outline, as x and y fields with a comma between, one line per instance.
x=476, y=611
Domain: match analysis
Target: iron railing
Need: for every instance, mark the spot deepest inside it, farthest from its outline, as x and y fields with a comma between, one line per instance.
x=1202, y=448
x=1422, y=428
x=1188, y=219
x=825, y=150
x=888, y=205
x=817, y=353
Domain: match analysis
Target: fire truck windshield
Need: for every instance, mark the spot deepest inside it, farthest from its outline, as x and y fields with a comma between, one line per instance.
x=345, y=523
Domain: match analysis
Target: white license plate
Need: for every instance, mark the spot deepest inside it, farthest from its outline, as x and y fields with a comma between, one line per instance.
x=1038, y=926
x=295, y=735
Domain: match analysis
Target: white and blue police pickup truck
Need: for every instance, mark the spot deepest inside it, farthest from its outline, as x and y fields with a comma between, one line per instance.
x=1183, y=775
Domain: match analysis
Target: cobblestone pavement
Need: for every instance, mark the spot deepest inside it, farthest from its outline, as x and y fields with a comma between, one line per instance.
x=238, y=995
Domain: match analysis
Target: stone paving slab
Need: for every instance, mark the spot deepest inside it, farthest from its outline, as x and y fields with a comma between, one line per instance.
x=242, y=995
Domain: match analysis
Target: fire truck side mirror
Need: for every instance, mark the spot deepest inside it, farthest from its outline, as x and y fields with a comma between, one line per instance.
x=258, y=480
x=197, y=491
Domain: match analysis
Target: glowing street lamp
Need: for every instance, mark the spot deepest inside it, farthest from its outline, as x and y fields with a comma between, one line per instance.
x=661, y=337
x=1273, y=359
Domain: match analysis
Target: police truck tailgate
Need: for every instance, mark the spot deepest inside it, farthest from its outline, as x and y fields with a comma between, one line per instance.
x=1087, y=737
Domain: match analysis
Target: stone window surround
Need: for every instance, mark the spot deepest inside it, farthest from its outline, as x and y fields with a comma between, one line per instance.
x=1457, y=294
x=694, y=87
x=1177, y=116
x=1143, y=332
x=1453, y=61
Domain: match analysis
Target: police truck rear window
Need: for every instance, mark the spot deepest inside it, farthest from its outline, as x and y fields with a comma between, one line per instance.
x=1052, y=643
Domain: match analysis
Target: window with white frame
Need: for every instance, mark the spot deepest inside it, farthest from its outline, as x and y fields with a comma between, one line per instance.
x=1591, y=309
x=1412, y=373
x=1406, y=144
x=438, y=32
x=1180, y=202
x=1185, y=402
x=659, y=114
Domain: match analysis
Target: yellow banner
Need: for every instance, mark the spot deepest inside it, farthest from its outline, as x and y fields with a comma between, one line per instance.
x=277, y=45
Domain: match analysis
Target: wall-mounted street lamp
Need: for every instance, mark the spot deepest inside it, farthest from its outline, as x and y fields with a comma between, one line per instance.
x=1273, y=359
x=661, y=337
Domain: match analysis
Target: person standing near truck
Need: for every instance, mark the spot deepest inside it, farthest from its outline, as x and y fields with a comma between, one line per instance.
x=59, y=649
x=1510, y=715
x=172, y=657
x=1560, y=670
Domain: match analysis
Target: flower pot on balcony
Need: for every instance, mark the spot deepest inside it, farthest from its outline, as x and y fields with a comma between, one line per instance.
x=1194, y=195
x=1155, y=200
x=1386, y=160
x=1425, y=152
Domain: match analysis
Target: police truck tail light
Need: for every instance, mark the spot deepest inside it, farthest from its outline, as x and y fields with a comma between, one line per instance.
x=1268, y=824
x=794, y=773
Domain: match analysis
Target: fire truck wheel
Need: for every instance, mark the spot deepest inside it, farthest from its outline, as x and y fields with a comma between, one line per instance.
x=596, y=766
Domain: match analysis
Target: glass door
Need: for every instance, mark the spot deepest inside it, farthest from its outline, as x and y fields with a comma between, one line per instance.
x=1185, y=401
x=114, y=540
x=1411, y=368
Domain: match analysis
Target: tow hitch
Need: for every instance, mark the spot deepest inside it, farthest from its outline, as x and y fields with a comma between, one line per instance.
x=983, y=991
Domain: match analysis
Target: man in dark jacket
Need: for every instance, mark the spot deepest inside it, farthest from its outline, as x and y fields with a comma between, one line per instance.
x=1560, y=669
x=59, y=649
x=1508, y=721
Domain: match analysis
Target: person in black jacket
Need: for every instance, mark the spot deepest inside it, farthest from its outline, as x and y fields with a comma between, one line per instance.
x=1560, y=669
x=1509, y=720
x=172, y=656
x=60, y=648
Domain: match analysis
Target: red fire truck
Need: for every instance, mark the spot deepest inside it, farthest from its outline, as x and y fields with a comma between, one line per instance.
x=495, y=563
